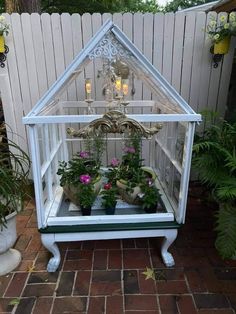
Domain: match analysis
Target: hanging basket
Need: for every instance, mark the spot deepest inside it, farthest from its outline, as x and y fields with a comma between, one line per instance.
x=2, y=44
x=222, y=47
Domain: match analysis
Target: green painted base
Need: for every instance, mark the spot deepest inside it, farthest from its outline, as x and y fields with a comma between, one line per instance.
x=111, y=227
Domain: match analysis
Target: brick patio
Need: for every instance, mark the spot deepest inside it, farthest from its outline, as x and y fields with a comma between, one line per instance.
x=107, y=276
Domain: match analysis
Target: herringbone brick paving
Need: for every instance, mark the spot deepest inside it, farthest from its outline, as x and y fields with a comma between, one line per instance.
x=107, y=276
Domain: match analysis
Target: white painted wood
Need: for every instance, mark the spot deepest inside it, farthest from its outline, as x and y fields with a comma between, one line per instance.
x=178, y=50
x=158, y=41
x=168, y=46
x=49, y=48
x=147, y=46
x=39, y=52
x=187, y=55
x=138, y=42
x=197, y=59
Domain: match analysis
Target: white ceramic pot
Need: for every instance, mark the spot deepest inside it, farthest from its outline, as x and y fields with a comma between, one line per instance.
x=9, y=258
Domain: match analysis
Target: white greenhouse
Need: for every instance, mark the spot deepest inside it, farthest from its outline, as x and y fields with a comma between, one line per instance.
x=63, y=131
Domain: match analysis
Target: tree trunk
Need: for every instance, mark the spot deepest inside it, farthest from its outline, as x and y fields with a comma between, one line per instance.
x=21, y=6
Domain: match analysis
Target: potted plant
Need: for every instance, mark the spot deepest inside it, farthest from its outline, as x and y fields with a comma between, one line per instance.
x=221, y=32
x=86, y=193
x=14, y=169
x=215, y=162
x=81, y=164
x=109, y=198
x=149, y=196
x=131, y=172
x=4, y=30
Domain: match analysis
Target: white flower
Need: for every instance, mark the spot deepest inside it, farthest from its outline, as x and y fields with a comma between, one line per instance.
x=212, y=23
x=226, y=26
x=232, y=16
x=217, y=36
x=223, y=18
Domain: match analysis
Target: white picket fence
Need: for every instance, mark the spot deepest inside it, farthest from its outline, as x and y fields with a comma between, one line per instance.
x=41, y=46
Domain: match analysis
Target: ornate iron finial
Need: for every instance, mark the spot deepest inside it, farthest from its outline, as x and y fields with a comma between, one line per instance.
x=114, y=121
x=3, y=56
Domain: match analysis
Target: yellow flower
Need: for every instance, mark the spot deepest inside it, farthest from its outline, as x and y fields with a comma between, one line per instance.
x=217, y=36
x=226, y=26
x=223, y=18
x=234, y=24
x=2, y=18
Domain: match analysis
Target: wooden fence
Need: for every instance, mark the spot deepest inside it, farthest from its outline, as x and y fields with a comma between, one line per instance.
x=41, y=46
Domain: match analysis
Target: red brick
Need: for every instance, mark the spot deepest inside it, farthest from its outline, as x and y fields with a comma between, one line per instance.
x=168, y=304
x=114, y=304
x=186, y=305
x=108, y=244
x=195, y=281
x=16, y=285
x=65, y=284
x=131, y=283
x=128, y=243
x=171, y=287
x=105, y=288
x=216, y=311
x=114, y=259
x=146, y=286
x=136, y=259
x=141, y=243
x=145, y=312
x=4, y=282
x=69, y=305
x=96, y=305
x=100, y=259
x=79, y=255
x=4, y=305
x=156, y=259
x=78, y=265
x=43, y=277
x=42, y=306
x=82, y=283
x=209, y=301
x=140, y=302
x=25, y=306
x=22, y=242
x=39, y=290
x=35, y=244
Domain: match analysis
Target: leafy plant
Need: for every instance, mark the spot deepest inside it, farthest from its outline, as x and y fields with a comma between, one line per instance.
x=224, y=28
x=14, y=170
x=4, y=26
x=86, y=191
x=214, y=158
x=109, y=195
x=150, y=195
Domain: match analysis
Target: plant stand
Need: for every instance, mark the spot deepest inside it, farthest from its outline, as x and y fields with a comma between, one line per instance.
x=49, y=240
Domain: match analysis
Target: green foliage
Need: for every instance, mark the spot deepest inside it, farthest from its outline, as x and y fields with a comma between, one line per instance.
x=214, y=158
x=226, y=228
x=109, y=196
x=176, y=5
x=150, y=196
x=14, y=170
x=86, y=195
x=71, y=171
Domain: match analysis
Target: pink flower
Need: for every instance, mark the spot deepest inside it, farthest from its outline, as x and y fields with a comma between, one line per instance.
x=129, y=150
x=84, y=154
x=107, y=186
x=85, y=179
x=114, y=162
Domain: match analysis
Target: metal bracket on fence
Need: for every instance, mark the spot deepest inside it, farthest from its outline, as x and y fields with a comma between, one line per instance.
x=3, y=56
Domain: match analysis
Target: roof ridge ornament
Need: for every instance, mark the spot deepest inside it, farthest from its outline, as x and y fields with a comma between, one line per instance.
x=109, y=47
x=114, y=121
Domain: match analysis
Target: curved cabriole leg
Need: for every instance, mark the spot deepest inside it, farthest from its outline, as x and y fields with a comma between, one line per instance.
x=170, y=236
x=48, y=241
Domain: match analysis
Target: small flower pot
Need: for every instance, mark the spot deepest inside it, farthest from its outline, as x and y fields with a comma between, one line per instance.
x=110, y=210
x=150, y=210
x=86, y=211
x=2, y=44
x=222, y=47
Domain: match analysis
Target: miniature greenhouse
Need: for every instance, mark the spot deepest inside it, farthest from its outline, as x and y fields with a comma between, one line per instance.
x=115, y=150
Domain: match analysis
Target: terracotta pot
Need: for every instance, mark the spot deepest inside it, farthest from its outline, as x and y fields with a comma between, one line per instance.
x=132, y=198
x=2, y=44
x=72, y=194
x=9, y=258
x=222, y=47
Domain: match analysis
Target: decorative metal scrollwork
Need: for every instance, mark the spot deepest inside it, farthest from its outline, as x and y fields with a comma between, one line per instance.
x=109, y=48
x=3, y=56
x=114, y=121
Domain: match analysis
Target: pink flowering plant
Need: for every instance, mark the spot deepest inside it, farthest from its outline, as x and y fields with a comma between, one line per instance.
x=109, y=195
x=81, y=169
x=86, y=191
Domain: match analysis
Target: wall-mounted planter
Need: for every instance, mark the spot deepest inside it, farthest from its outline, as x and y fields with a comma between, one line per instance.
x=222, y=47
x=2, y=44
